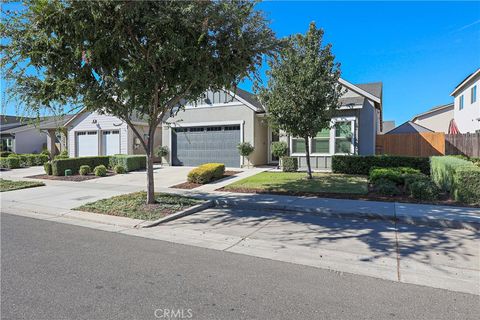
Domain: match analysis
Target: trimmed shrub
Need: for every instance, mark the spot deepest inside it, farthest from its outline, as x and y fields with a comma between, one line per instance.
x=84, y=170
x=396, y=175
x=466, y=185
x=443, y=170
x=60, y=165
x=289, y=164
x=206, y=173
x=129, y=162
x=62, y=155
x=9, y=162
x=279, y=149
x=100, y=171
x=363, y=164
x=386, y=187
x=162, y=151
x=30, y=160
x=423, y=189
x=47, y=166
x=410, y=178
x=119, y=169
x=5, y=153
x=21, y=158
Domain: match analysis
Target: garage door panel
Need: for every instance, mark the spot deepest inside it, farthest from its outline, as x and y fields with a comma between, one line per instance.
x=87, y=143
x=194, y=146
x=110, y=142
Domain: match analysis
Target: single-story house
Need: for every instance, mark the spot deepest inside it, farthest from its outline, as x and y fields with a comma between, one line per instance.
x=210, y=130
x=409, y=127
x=437, y=119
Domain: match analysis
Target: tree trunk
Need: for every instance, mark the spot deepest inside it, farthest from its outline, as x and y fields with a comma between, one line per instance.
x=150, y=180
x=307, y=153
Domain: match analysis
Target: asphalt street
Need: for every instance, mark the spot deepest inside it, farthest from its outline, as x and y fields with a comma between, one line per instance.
x=58, y=271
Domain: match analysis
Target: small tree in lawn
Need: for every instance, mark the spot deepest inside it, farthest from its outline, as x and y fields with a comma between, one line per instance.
x=130, y=59
x=302, y=90
x=162, y=151
x=245, y=149
x=279, y=149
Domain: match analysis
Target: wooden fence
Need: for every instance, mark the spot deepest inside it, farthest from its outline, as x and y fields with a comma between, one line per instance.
x=412, y=144
x=467, y=144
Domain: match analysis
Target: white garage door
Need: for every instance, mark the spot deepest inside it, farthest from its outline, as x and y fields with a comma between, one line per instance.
x=87, y=143
x=110, y=142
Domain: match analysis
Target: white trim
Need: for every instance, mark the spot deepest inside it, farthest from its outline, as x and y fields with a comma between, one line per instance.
x=75, y=116
x=216, y=105
x=358, y=90
x=476, y=73
x=355, y=106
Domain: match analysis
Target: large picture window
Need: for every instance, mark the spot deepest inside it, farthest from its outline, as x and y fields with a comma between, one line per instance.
x=298, y=145
x=343, y=137
x=321, y=142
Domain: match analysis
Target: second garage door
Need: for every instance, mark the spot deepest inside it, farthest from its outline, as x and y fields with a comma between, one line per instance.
x=193, y=146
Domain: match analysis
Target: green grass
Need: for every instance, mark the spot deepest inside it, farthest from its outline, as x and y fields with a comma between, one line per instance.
x=9, y=185
x=133, y=205
x=297, y=182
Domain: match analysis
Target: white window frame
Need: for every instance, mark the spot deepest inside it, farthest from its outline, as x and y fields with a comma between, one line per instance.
x=473, y=94
x=352, y=120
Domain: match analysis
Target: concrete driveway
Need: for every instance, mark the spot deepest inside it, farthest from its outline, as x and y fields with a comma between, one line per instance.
x=442, y=258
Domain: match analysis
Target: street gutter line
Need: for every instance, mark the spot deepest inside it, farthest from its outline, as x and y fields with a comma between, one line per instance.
x=397, y=246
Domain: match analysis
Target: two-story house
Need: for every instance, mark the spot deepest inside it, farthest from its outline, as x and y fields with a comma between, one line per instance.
x=466, y=111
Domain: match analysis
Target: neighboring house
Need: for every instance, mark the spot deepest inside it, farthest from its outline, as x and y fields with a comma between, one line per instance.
x=409, y=127
x=18, y=136
x=211, y=129
x=437, y=119
x=387, y=126
x=92, y=134
x=466, y=112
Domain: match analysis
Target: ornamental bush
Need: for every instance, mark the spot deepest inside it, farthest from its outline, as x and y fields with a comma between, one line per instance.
x=100, y=171
x=396, y=175
x=128, y=162
x=386, y=187
x=206, y=173
x=5, y=153
x=119, y=169
x=60, y=165
x=84, y=170
x=363, y=164
x=466, y=185
x=423, y=189
x=279, y=149
x=9, y=162
x=47, y=166
x=289, y=164
x=443, y=170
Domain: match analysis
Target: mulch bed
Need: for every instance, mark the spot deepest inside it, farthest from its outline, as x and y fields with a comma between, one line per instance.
x=75, y=178
x=191, y=185
x=444, y=199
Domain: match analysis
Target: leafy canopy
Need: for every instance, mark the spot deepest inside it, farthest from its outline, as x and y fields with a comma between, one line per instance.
x=302, y=91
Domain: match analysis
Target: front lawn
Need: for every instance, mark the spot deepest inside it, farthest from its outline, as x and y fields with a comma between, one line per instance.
x=9, y=185
x=297, y=183
x=133, y=205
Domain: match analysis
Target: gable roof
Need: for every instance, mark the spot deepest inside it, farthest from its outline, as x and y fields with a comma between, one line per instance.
x=373, y=87
x=49, y=122
x=249, y=98
x=464, y=81
x=434, y=109
x=408, y=127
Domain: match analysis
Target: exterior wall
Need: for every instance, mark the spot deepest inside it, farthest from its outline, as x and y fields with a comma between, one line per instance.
x=134, y=148
x=468, y=119
x=29, y=141
x=234, y=113
x=367, y=128
x=437, y=121
x=92, y=121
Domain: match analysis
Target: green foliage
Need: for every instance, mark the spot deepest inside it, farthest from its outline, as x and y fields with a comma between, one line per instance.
x=279, y=149
x=423, y=189
x=60, y=165
x=396, y=174
x=84, y=170
x=162, y=151
x=119, y=169
x=443, y=170
x=5, y=153
x=47, y=166
x=29, y=160
x=45, y=152
x=410, y=178
x=363, y=164
x=62, y=155
x=128, y=162
x=9, y=185
x=100, y=171
x=466, y=185
x=245, y=149
x=206, y=173
x=10, y=162
x=386, y=187
x=289, y=164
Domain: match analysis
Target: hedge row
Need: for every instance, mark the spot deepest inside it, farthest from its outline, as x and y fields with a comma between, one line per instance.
x=24, y=160
x=60, y=165
x=458, y=176
x=206, y=173
x=363, y=164
x=129, y=162
x=9, y=162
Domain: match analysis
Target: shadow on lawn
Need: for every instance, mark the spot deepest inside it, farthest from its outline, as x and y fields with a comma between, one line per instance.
x=315, y=231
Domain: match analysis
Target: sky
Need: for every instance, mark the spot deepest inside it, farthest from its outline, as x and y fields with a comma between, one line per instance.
x=419, y=50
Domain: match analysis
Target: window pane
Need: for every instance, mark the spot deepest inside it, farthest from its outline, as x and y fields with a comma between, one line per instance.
x=321, y=146
x=343, y=129
x=325, y=133
x=298, y=145
x=343, y=145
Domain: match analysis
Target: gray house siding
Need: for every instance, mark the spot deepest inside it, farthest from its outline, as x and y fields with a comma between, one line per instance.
x=29, y=141
x=367, y=129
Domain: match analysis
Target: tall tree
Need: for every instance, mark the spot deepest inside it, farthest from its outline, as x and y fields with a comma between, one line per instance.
x=126, y=58
x=302, y=90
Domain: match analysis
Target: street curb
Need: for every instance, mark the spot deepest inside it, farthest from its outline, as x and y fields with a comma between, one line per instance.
x=178, y=215
x=331, y=212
